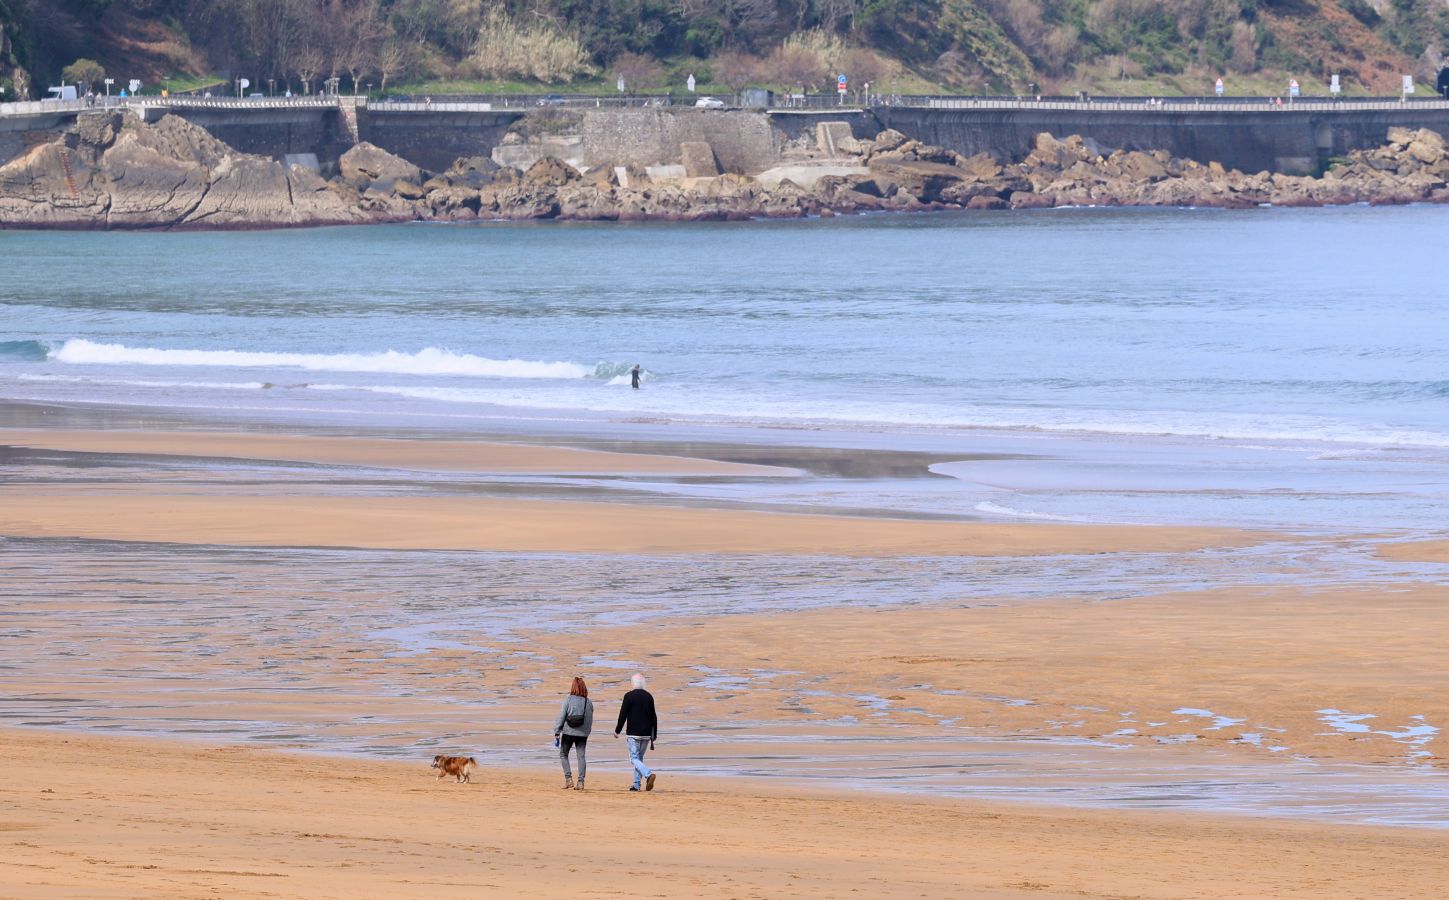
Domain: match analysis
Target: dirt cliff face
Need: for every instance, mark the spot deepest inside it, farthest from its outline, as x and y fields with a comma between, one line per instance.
x=112, y=171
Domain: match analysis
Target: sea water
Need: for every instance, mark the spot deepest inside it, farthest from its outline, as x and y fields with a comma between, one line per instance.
x=1271, y=366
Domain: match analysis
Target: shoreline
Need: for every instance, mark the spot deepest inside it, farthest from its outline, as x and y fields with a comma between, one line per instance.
x=268, y=822
x=116, y=162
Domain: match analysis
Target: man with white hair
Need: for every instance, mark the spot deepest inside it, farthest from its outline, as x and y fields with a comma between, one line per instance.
x=637, y=719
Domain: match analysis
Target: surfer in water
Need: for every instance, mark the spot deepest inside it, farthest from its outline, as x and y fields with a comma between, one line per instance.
x=634, y=377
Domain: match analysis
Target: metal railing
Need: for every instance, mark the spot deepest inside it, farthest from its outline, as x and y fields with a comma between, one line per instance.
x=777, y=103
x=1169, y=104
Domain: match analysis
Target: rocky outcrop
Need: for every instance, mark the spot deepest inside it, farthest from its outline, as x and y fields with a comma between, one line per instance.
x=112, y=171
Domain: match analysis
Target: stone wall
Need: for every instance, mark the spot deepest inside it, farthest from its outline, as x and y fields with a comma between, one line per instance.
x=742, y=141
x=749, y=142
x=1287, y=141
x=271, y=131
x=18, y=134
x=434, y=139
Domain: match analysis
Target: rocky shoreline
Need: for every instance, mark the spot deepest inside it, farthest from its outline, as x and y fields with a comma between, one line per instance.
x=112, y=171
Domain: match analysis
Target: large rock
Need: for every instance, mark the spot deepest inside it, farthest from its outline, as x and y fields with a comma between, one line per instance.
x=550, y=172
x=698, y=159
x=369, y=166
x=113, y=171
x=926, y=181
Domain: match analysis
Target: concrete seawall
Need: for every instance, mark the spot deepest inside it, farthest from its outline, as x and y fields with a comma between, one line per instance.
x=1290, y=140
x=1296, y=140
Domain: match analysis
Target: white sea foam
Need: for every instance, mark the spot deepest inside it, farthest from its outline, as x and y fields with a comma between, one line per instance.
x=428, y=361
x=996, y=509
x=149, y=382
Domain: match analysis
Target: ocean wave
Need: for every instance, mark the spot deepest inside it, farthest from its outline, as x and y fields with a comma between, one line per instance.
x=429, y=361
x=26, y=350
x=996, y=509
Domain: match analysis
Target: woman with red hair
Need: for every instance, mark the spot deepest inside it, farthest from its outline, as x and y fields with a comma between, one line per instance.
x=575, y=721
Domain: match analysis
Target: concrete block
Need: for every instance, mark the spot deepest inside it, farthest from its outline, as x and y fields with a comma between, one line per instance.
x=307, y=161
x=834, y=138
x=805, y=174
x=666, y=173
x=698, y=159
x=621, y=174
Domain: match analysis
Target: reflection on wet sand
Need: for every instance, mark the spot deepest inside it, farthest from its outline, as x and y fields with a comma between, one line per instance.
x=405, y=654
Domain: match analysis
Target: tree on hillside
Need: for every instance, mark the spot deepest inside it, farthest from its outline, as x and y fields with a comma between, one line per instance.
x=736, y=70
x=639, y=72
x=83, y=72
x=308, y=62
x=795, y=66
x=394, y=60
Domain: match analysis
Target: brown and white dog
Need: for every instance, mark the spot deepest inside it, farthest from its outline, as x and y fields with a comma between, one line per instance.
x=459, y=767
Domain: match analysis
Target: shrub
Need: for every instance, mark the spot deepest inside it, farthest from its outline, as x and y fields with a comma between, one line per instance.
x=84, y=72
x=506, y=49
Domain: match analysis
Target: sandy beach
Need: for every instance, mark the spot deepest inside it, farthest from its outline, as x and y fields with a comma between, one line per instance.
x=236, y=596
x=115, y=817
x=421, y=456
x=437, y=523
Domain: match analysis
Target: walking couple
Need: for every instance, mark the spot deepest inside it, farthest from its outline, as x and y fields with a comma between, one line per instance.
x=636, y=719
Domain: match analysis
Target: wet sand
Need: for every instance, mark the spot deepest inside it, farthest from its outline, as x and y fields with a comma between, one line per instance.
x=112, y=817
x=417, y=455
x=450, y=523
x=1342, y=675
x=816, y=649
x=1417, y=551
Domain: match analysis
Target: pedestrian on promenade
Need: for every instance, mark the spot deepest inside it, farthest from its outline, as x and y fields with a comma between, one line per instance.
x=634, y=377
x=636, y=716
x=575, y=721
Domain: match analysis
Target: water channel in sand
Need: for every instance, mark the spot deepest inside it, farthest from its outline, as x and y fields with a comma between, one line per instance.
x=403, y=654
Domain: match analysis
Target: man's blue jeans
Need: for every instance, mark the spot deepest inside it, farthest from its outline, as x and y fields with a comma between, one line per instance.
x=637, y=746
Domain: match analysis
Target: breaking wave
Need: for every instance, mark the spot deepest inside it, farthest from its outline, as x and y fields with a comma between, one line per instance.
x=428, y=361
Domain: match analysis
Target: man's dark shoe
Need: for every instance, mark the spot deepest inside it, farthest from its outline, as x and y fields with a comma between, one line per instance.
x=634, y=788
x=649, y=782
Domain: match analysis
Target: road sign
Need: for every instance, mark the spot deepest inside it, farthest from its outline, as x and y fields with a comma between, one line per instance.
x=1219, y=87
x=840, y=84
x=1333, y=86
x=1293, y=88
x=690, y=83
x=1408, y=84
x=135, y=85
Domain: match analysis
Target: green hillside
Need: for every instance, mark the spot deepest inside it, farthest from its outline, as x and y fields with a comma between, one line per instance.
x=987, y=46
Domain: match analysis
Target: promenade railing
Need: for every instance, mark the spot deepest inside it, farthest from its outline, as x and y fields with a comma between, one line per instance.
x=777, y=102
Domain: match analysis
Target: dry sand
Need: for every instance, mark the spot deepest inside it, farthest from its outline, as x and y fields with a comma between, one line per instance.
x=114, y=817
x=418, y=455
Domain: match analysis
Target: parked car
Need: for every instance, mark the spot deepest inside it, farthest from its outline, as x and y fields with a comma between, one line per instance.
x=709, y=103
x=551, y=100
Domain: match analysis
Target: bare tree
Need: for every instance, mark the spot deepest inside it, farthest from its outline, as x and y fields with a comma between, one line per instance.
x=395, y=59
x=736, y=70
x=795, y=66
x=637, y=71
x=308, y=62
